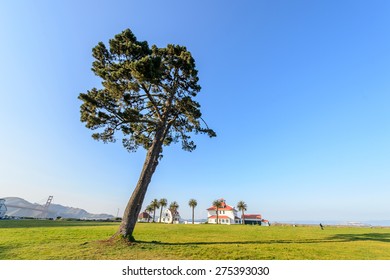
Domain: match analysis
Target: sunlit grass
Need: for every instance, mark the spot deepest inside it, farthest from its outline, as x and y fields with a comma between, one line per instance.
x=89, y=240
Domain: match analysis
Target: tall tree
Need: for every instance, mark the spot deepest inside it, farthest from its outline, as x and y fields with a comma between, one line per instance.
x=173, y=207
x=192, y=203
x=148, y=96
x=149, y=210
x=155, y=206
x=241, y=205
x=162, y=203
x=217, y=204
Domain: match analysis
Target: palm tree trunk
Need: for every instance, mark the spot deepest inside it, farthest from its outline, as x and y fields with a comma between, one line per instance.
x=217, y=216
x=134, y=204
x=192, y=215
x=243, y=218
x=154, y=213
x=173, y=215
x=160, y=214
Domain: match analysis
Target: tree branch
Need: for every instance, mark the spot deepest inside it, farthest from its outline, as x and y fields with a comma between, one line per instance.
x=152, y=101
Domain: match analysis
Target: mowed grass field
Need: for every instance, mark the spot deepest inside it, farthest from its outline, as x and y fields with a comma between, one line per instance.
x=49, y=240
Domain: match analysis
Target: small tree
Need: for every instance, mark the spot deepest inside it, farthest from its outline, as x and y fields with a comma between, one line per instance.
x=192, y=203
x=173, y=207
x=241, y=205
x=155, y=206
x=148, y=96
x=149, y=210
x=162, y=203
x=217, y=204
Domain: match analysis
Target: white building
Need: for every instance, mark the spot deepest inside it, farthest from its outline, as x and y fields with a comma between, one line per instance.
x=227, y=214
x=168, y=215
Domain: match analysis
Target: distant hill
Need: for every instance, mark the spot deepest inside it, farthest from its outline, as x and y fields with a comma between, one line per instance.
x=19, y=207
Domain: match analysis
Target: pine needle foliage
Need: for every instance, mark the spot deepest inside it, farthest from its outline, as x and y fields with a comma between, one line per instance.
x=143, y=89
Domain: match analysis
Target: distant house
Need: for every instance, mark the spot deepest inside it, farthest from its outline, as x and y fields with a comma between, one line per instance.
x=170, y=216
x=252, y=219
x=265, y=222
x=144, y=217
x=227, y=214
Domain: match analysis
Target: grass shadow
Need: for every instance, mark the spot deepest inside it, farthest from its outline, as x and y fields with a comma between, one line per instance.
x=381, y=237
x=257, y=242
x=47, y=223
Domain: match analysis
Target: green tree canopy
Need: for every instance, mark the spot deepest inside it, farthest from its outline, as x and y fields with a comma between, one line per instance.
x=144, y=90
x=149, y=210
x=241, y=205
x=162, y=203
x=217, y=204
x=155, y=206
x=173, y=207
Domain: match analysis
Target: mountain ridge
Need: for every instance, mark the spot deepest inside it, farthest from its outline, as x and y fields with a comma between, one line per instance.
x=20, y=207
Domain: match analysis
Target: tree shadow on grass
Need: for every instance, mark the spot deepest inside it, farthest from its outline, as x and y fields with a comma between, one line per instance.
x=48, y=223
x=381, y=237
x=257, y=242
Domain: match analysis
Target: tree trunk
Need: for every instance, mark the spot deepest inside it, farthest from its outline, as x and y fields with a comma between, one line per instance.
x=192, y=215
x=134, y=204
x=173, y=215
x=154, y=213
x=243, y=217
x=160, y=214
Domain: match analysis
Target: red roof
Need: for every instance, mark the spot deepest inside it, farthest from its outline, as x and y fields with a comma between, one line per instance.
x=144, y=215
x=252, y=216
x=219, y=217
x=223, y=207
x=227, y=207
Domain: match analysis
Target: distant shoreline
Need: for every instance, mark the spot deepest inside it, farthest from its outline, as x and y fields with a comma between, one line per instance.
x=379, y=223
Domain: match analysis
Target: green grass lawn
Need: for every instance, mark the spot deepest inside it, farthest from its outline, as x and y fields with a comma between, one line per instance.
x=34, y=239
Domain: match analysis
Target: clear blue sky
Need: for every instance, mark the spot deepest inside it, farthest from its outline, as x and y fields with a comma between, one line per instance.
x=297, y=91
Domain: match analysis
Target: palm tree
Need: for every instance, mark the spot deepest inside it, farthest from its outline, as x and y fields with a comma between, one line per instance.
x=162, y=203
x=155, y=206
x=173, y=207
x=192, y=203
x=149, y=209
x=217, y=204
x=241, y=205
